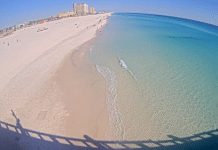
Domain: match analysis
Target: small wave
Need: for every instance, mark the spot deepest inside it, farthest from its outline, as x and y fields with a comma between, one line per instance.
x=123, y=65
x=114, y=115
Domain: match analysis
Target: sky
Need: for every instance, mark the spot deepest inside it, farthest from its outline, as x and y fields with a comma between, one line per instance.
x=14, y=12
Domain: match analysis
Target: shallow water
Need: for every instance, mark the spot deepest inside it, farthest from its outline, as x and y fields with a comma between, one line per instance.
x=170, y=85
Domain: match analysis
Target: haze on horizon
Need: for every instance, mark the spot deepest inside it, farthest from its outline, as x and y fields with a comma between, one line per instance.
x=18, y=11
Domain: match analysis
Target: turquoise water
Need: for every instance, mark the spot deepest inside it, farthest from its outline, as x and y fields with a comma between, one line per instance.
x=170, y=86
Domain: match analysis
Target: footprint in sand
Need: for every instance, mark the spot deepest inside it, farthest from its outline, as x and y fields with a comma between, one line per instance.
x=42, y=115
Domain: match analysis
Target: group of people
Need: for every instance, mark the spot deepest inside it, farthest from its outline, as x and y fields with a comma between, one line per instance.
x=8, y=42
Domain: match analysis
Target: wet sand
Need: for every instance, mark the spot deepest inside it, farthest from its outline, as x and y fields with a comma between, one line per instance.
x=84, y=95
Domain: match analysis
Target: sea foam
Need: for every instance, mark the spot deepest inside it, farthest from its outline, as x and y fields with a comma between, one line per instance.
x=123, y=65
x=114, y=116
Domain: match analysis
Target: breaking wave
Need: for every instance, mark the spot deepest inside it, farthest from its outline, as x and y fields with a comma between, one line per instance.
x=115, y=120
x=124, y=66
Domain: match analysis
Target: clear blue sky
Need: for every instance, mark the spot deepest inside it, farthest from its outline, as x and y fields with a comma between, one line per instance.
x=18, y=11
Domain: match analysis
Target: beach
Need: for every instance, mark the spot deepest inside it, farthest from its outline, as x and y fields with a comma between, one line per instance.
x=84, y=96
x=144, y=81
x=49, y=82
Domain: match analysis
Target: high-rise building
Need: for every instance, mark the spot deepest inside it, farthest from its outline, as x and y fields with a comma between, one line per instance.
x=92, y=10
x=80, y=9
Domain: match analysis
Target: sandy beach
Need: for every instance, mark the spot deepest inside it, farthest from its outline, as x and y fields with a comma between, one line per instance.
x=84, y=96
x=49, y=82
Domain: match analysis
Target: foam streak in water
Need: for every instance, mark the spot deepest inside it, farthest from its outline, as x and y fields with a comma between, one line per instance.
x=122, y=64
x=114, y=115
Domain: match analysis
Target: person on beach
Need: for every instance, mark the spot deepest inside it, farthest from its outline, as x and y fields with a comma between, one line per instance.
x=17, y=40
x=8, y=43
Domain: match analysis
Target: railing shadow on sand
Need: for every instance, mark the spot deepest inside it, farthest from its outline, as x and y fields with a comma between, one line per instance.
x=19, y=138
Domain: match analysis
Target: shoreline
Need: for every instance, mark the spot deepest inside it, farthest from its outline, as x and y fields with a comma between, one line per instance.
x=78, y=74
x=84, y=93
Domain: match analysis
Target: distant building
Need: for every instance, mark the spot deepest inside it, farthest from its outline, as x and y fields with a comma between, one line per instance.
x=25, y=24
x=92, y=10
x=66, y=14
x=80, y=9
x=1, y=32
x=18, y=26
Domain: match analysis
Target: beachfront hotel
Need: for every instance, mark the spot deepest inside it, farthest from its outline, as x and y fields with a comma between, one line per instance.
x=92, y=10
x=80, y=9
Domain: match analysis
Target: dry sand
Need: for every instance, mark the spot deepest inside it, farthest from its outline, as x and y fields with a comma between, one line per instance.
x=51, y=86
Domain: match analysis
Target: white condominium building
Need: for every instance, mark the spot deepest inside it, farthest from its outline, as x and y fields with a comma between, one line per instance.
x=80, y=9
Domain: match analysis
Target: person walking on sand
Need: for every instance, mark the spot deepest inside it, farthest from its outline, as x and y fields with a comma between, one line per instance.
x=8, y=43
x=17, y=40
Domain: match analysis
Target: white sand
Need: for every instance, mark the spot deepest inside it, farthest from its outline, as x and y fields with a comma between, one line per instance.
x=27, y=69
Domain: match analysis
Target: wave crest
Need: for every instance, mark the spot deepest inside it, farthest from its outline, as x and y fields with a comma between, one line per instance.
x=115, y=120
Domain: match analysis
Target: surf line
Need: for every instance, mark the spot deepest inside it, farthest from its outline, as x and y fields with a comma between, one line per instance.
x=124, y=66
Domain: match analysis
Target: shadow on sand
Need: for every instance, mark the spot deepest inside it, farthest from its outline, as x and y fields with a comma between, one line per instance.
x=17, y=137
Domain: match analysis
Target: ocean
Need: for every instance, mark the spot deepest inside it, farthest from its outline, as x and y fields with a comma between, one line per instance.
x=161, y=75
